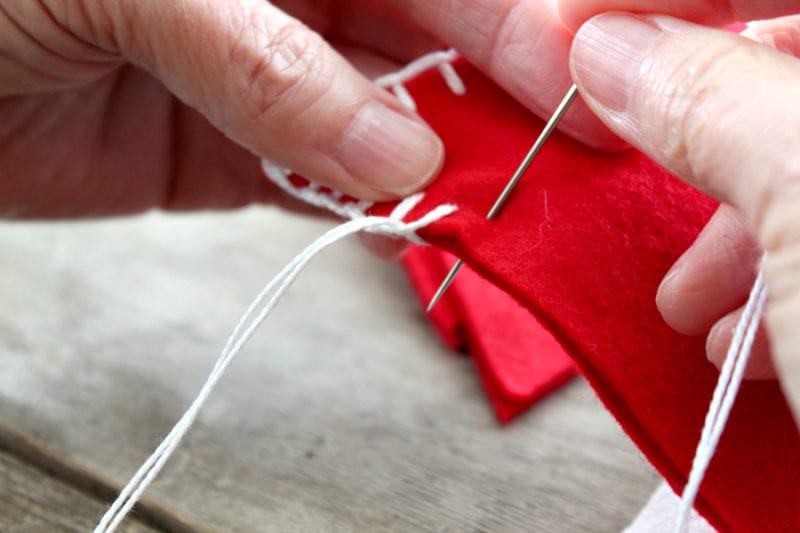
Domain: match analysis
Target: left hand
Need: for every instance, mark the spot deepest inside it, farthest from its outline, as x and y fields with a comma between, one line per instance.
x=720, y=112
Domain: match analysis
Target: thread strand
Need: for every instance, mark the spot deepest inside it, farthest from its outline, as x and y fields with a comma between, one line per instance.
x=256, y=313
x=730, y=378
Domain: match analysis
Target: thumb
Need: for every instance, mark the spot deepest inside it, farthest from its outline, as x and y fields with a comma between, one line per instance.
x=277, y=88
x=720, y=112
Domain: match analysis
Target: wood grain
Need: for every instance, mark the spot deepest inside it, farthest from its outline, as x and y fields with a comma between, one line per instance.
x=31, y=500
x=342, y=414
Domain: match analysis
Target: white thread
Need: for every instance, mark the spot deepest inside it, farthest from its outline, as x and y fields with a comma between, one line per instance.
x=256, y=313
x=331, y=201
x=404, y=96
x=441, y=60
x=730, y=378
x=421, y=65
x=452, y=78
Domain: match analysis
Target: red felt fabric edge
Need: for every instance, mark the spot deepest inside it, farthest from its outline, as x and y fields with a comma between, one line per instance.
x=616, y=404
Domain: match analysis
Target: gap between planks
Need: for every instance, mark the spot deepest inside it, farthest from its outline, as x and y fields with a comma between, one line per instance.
x=87, y=483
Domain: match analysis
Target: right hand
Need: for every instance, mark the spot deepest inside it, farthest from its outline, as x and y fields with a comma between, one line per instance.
x=118, y=106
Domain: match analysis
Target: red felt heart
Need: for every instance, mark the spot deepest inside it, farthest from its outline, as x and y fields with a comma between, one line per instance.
x=519, y=362
x=583, y=244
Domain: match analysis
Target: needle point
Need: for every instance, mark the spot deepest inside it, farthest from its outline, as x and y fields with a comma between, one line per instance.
x=558, y=114
x=445, y=284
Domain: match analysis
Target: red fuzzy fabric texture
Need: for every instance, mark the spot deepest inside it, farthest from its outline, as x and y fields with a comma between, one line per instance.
x=519, y=362
x=583, y=244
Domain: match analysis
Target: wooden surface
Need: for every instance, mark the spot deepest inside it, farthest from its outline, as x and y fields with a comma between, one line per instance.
x=342, y=414
x=33, y=500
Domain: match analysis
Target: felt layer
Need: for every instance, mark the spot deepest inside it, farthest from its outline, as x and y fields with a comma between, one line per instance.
x=519, y=362
x=583, y=244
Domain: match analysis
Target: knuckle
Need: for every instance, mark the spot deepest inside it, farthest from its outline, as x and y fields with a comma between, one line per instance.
x=100, y=23
x=126, y=26
x=692, y=94
x=700, y=116
x=51, y=44
x=506, y=37
x=485, y=28
x=283, y=65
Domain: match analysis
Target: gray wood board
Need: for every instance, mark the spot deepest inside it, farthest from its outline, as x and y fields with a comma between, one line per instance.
x=343, y=413
x=31, y=500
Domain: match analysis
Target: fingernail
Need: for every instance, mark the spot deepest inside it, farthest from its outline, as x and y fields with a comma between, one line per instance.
x=608, y=54
x=714, y=341
x=390, y=152
x=671, y=277
x=665, y=296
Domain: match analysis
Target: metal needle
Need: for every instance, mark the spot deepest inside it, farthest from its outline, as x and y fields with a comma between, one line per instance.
x=558, y=114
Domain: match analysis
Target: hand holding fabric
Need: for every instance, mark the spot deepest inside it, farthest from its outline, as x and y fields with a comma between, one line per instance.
x=721, y=112
x=111, y=107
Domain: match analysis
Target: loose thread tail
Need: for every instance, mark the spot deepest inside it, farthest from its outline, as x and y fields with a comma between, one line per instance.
x=420, y=65
x=727, y=388
x=256, y=313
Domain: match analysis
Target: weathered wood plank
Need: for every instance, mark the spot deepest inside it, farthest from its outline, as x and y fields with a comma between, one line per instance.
x=31, y=501
x=343, y=413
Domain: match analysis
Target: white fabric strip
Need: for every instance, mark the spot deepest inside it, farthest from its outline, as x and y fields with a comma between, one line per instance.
x=658, y=515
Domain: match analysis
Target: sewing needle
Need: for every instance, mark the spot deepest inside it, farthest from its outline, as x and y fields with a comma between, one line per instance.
x=558, y=114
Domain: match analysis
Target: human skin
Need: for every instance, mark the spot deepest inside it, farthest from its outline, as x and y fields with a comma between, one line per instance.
x=118, y=106
x=720, y=111
x=113, y=107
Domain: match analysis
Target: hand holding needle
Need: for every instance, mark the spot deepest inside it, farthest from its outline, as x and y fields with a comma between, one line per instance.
x=558, y=114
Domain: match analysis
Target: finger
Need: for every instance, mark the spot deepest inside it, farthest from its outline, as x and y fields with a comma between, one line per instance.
x=713, y=277
x=36, y=53
x=384, y=247
x=759, y=366
x=279, y=89
x=208, y=171
x=211, y=172
x=522, y=45
x=369, y=23
x=782, y=33
x=368, y=63
x=383, y=29
x=691, y=98
x=721, y=112
x=716, y=12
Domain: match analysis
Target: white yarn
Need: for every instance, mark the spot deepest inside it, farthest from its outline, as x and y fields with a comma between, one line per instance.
x=393, y=225
x=311, y=193
x=730, y=378
x=333, y=201
x=441, y=60
x=404, y=96
x=451, y=77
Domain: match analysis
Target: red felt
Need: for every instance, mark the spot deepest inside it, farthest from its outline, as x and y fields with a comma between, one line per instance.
x=519, y=362
x=583, y=244
x=426, y=267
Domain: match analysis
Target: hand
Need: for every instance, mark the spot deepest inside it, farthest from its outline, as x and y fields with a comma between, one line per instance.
x=111, y=107
x=721, y=112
